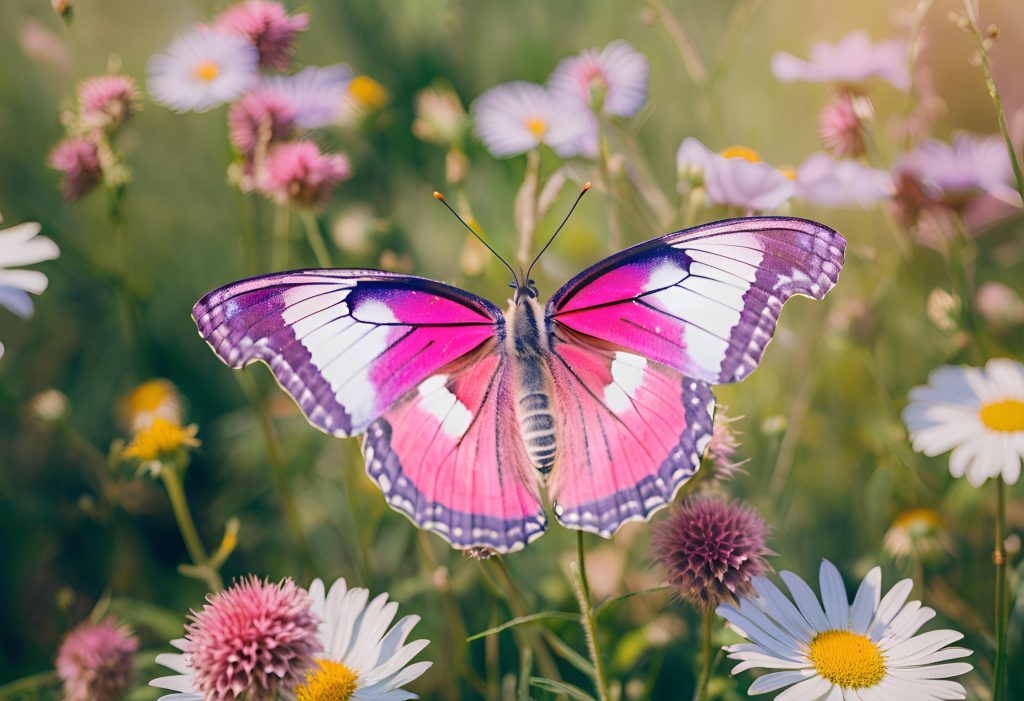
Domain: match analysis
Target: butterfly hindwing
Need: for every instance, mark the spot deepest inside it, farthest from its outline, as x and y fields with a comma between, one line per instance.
x=450, y=457
x=346, y=344
x=630, y=433
x=704, y=301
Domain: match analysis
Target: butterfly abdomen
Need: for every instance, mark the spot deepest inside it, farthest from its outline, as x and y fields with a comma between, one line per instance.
x=528, y=344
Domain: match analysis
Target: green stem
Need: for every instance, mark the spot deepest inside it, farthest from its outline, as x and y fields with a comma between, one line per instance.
x=316, y=239
x=171, y=478
x=279, y=252
x=582, y=589
x=705, y=665
x=245, y=226
x=279, y=471
x=517, y=605
x=614, y=227
x=1002, y=605
x=20, y=688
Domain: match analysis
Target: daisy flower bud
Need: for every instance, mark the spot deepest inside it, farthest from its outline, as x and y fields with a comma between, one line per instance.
x=440, y=118
x=918, y=534
x=78, y=160
x=96, y=661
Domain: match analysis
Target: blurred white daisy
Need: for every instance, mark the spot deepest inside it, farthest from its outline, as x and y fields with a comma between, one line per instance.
x=734, y=177
x=203, y=69
x=316, y=95
x=851, y=60
x=516, y=117
x=827, y=181
x=22, y=245
x=977, y=413
x=612, y=80
x=867, y=650
x=363, y=658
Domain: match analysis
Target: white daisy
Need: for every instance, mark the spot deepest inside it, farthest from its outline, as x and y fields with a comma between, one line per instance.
x=22, y=245
x=824, y=180
x=516, y=117
x=316, y=94
x=364, y=657
x=203, y=69
x=864, y=651
x=977, y=413
x=616, y=75
x=735, y=177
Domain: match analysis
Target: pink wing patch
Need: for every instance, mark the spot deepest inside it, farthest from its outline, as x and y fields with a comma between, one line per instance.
x=704, y=301
x=346, y=344
x=630, y=433
x=450, y=457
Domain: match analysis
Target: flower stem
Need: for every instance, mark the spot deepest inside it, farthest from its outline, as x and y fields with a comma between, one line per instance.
x=171, y=478
x=517, y=605
x=279, y=470
x=705, y=665
x=279, y=252
x=245, y=227
x=582, y=589
x=1002, y=606
x=316, y=239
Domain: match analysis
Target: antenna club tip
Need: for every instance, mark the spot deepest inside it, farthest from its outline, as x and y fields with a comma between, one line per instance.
x=438, y=196
x=586, y=186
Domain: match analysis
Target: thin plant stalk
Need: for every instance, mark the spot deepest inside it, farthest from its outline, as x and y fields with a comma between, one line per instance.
x=614, y=226
x=315, y=238
x=245, y=230
x=279, y=250
x=171, y=479
x=1002, y=604
x=706, y=656
x=581, y=586
x=517, y=605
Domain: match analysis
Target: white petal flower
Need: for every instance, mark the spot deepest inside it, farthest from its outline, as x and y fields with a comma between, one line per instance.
x=317, y=95
x=852, y=59
x=865, y=650
x=824, y=180
x=515, y=117
x=968, y=164
x=365, y=657
x=736, y=177
x=22, y=245
x=976, y=413
x=202, y=70
x=617, y=73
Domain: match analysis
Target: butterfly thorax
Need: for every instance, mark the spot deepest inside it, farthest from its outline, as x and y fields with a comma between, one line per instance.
x=527, y=345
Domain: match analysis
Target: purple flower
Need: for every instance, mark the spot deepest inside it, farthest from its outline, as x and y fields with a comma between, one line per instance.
x=78, y=161
x=824, y=180
x=736, y=177
x=612, y=80
x=298, y=174
x=260, y=117
x=316, y=95
x=516, y=117
x=711, y=548
x=96, y=661
x=841, y=124
x=202, y=70
x=968, y=165
x=853, y=59
x=268, y=27
x=108, y=101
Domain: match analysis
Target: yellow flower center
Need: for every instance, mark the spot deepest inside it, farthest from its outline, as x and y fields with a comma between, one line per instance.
x=747, y=154
x=207, y=70
x=149, y=396
x=368, y=91
x=918, y=519
x=160, y=438
x=330, y=681
x=847, y=659
x=788, y=172
x=537, y=126
x=1006, y=416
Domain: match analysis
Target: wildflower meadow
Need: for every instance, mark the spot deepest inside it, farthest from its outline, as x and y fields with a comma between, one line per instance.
x=603, y=351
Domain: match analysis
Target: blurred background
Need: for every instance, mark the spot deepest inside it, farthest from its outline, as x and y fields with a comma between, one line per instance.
x=829, y=465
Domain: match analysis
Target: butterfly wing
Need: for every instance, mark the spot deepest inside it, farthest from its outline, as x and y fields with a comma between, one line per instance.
x=704, y=301
x=450, y=457
x=346, y=344
x=630, y=433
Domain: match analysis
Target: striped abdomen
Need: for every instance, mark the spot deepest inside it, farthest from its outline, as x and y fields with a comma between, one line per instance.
x=538, y=426
x=528, y=345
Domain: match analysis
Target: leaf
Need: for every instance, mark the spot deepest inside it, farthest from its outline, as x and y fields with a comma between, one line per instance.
x=543, y=615
x=573, y=692
x=564, y=651
x=607, y=604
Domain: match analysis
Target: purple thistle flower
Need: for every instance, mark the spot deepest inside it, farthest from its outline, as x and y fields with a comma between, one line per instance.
x=841, y=124
x=259, y=118
x=108, y=101
x=96, y=661
x=612, y=80
x=711, y=548
x=78, y=161
x=298, y=174
x=268, y=27
x=851, y=60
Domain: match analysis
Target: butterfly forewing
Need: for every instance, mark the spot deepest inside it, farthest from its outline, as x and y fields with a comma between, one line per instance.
x=346, y=344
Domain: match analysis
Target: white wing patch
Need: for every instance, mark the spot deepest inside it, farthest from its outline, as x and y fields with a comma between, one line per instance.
x=627, y=378
x=443, y=405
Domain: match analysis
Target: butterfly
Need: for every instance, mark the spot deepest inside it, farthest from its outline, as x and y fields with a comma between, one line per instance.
x=601, y=396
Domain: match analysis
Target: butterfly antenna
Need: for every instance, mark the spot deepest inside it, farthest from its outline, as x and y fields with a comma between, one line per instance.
x=440, y=198
x=586, y=186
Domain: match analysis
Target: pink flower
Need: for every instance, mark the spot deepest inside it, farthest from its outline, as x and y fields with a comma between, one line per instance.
x=736, y=177
x=826, y=181
x=516, y=117
x=612, y=80
x=96, y=661
x=78, y=161
x=841, y=124
x=251, y=639
x=260, y=117
x=968, y=165
x=268, y=26
x=298, y=174
x=108, y=101
x=853, y=59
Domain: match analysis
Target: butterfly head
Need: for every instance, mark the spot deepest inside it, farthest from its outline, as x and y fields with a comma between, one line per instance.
x=524, y=290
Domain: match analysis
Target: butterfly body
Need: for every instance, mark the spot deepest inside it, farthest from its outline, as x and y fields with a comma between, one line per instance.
x=601, y=397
